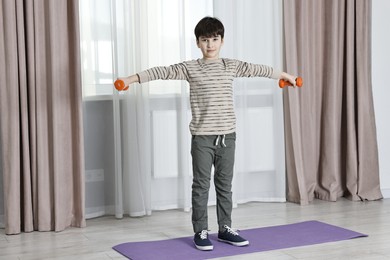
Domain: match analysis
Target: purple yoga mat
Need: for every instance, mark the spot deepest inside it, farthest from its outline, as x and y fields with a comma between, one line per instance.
x=260, y=239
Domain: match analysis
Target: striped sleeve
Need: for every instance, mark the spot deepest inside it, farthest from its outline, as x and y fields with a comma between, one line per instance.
x=175, y=72
x=245, y=69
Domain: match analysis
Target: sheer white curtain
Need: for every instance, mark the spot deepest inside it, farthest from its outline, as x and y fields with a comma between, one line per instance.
x=138, y=142
x=254, y=34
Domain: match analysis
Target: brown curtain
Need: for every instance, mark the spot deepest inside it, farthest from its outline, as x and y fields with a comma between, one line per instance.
x=41, y=115
x=331, y=144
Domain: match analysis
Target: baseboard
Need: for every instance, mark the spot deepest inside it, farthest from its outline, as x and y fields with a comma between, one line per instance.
x=386, y=193
x=94, y=212
x=2, y=224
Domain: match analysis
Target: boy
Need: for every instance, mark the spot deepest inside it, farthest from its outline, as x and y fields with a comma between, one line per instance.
x=212, y=126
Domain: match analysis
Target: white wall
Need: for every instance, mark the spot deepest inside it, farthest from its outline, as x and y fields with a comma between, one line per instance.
x=381, y=86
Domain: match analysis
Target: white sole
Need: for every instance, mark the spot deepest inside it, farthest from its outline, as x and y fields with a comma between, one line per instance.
x=244, y=243
x=204, y=248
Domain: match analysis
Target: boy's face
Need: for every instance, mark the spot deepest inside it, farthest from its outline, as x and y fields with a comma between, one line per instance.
x=210, y=46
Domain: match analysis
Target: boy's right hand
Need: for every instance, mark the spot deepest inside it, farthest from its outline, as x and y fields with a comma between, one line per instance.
x=122, y=84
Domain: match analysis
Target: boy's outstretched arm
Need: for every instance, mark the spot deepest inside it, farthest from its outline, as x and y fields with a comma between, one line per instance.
x=130, y=79
x=177, y=71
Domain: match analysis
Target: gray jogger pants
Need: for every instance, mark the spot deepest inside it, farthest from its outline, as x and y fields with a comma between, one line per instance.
x=208, y=150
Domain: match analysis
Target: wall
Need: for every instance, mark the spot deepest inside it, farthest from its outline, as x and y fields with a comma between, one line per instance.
x=381, y=87
x=99, y=157
x=381, y=91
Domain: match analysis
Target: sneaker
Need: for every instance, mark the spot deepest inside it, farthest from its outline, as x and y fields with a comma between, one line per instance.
x=202, y=241
x=232, y=237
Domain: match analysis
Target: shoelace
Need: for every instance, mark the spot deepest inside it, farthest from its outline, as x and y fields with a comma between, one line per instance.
x=203, y=234
x=231, y=230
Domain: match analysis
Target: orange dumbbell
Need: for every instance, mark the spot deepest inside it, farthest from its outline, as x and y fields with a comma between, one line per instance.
x=120, y=85
x=284, y=83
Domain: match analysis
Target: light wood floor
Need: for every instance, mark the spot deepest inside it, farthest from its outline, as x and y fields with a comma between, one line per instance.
x=96, y=240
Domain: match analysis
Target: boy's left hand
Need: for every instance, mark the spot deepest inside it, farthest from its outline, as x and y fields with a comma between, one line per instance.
x=289, y=78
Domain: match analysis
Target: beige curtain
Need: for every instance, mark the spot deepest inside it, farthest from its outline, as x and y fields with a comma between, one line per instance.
x=41, y=115
x=331, y=145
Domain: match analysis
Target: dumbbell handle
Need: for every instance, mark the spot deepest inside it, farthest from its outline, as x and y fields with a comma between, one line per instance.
x=284, y=83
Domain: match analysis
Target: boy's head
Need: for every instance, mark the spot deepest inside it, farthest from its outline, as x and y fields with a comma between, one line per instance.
x=209, y=27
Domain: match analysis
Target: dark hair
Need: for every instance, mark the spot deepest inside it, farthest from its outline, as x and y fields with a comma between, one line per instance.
x=209, y=27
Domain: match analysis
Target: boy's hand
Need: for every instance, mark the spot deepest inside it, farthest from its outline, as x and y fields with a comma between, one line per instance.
x=289, y=78
x=124, y=83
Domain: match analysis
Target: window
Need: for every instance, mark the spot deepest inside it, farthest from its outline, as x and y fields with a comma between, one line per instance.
x=122, y=37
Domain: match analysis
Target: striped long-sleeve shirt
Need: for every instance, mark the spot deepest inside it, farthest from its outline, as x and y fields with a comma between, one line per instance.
x=211, y=89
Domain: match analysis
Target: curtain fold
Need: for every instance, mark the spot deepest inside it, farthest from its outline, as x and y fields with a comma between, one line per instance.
x=41, y=116
x=331, y=145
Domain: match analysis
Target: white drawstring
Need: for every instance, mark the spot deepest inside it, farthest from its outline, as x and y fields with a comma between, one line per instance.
x=223, y=141
x=216, y=143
